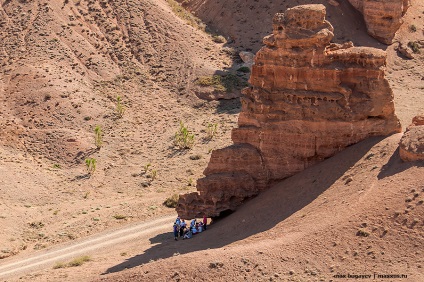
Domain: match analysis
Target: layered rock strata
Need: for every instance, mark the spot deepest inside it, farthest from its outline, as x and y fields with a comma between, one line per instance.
x=309, y=99
x=382, y=17
x=411, y=146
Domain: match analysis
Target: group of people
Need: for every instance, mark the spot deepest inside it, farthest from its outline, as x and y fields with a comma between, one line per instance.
x=182, y=230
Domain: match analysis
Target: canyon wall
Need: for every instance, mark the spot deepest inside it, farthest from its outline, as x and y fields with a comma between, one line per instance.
x=308, y=100
x=383, y=18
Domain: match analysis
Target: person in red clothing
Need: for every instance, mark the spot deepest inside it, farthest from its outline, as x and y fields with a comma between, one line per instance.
x=205, y=222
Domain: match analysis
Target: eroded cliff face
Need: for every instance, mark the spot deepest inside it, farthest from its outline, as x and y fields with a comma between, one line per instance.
x=309, y=99
x=383, y=18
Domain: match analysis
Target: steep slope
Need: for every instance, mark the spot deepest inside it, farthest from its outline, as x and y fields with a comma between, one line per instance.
x=59, y=58
x=246, y=23
x=63, y=65
x=70, y=205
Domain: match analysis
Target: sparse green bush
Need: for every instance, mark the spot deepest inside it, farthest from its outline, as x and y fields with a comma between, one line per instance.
x=120, y=109
x=244, y=69
x=59, y=265
x=414, y=46
x=172, y=201
x=154, y=174
x=195, y=157
x=91, y=165
x=190, y=182
x=119, y=216
x=146, y=167
x=211, y=130
x=79, y=261
x=98, y=136
x=73, y=263
x=224, y=83
x=183, y=139
x=186, y=15
x=412, y=28
x=36, y=224
x=218, y=39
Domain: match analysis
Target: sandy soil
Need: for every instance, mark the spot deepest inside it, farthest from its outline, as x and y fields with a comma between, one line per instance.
x=62, y=67
x=57, y=87
x=88, y=246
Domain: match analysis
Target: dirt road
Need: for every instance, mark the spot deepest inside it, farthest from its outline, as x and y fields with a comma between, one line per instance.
x=19, y=266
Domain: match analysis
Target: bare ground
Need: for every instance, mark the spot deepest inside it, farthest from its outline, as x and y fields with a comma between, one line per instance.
x=62, y=67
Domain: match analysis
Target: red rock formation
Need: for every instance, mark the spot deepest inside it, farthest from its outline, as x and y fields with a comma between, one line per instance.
x=383, y=18
x=309, y=99
x=411, y=146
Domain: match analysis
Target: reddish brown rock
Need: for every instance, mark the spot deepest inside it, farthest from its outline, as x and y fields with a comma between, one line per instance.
x=411, y=146
x=233, y=174
x=309, y=99
x=383, y=18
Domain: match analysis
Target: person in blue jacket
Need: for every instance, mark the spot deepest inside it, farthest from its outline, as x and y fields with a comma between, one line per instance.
x=176, y=226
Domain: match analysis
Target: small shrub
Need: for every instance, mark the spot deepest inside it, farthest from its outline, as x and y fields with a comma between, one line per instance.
x=172, y=201
x=79, y=261
x=244, y=69
x=216, y=265
x=59, y=265
x=146, y=167
x=183, y=139
x=186, y=15
x=91, y=165
x=120, y=109
x=190, y=182
x=47, y=97
x=414, y=46
x=195, y=157
x=57, y=166
x=211, y=130
x=119, y=216
x=412, y=28
x=230, y=51
x=36, y=224
x=362, y=233
x=154, y=174
x=224, y=83
x=98, y=136
x=218, y=39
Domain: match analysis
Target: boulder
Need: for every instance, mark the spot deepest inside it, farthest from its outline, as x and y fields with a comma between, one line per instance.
x=247, y=58
x=411, y=146
x=383, y=18
x=309, y=99
x=405, y=51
